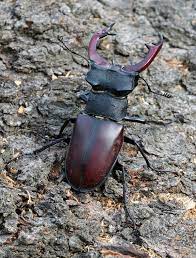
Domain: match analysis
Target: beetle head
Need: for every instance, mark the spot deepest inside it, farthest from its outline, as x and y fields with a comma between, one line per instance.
x=117, y=79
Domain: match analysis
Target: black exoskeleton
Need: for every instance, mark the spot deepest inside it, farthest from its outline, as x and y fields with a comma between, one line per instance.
x=110, y=88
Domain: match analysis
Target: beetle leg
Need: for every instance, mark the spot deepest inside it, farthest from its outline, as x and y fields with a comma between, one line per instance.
x=84, y=96
x=136, y=232
x=137, y=119
x=58, y=139
x=142, y=120
x=125, y=198
x=120, y=167
x=139, y=144
x=142, y=150
x=49, y=144
x=126, y=206
x=72, y=120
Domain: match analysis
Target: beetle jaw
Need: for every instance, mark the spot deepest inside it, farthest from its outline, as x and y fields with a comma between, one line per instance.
x=106, y=31
x=153, y=50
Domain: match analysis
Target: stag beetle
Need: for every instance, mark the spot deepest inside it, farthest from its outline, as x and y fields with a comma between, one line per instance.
x=98, y=133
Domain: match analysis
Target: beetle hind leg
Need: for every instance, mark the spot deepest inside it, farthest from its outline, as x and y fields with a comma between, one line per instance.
x=143, y=152
x=120, y=167
x=128, y=212
x=125, y=198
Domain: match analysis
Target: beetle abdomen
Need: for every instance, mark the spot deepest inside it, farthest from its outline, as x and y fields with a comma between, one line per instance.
x=93, y=151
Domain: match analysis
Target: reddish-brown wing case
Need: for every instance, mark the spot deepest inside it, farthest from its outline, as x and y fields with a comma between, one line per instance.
x=93, y=151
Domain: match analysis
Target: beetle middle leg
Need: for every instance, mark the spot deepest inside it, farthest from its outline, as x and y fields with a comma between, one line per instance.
x=142, y=150
x=59, y=138
x=50, y=144
x=142, y=120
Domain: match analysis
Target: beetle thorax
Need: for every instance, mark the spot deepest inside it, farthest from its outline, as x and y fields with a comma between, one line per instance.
x=112, y=79
x=110, y=88
x=106, y=105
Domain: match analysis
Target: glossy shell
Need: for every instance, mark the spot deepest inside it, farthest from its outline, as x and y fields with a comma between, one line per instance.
x=93, y=151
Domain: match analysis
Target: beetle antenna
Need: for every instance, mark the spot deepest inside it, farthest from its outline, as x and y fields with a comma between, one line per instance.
x=60, y=38
x=157, y=92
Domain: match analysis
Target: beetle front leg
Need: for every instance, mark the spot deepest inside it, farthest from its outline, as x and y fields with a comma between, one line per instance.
x=84, y=96
x=142, y=120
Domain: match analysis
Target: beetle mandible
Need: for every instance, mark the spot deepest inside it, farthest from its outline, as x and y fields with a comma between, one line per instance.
x=98, y=133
